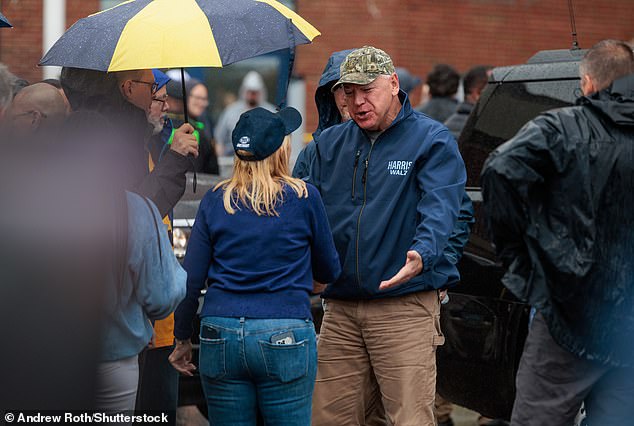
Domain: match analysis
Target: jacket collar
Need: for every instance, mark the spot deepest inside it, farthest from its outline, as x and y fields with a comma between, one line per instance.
x=616, y=102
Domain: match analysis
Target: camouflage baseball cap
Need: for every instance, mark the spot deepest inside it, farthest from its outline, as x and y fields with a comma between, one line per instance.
x=364, y=65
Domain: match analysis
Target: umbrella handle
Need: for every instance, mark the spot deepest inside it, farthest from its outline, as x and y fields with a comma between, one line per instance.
x=185, y=112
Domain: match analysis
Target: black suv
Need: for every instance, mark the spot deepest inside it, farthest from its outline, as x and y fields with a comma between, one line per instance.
x=484, y=324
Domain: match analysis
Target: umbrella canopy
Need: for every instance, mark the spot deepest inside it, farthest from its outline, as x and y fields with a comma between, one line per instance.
x=4, y=22
x=142, y=34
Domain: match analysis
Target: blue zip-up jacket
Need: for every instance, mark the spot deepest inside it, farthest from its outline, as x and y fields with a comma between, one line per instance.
x=401, y=193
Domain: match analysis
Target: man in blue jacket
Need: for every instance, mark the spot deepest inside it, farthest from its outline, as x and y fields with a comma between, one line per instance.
x=392, y=181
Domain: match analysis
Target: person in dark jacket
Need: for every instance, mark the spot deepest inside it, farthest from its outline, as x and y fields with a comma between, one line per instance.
x=331, y=107
x=392, y=181
x=559, y=201
x=126, y=117
x=443, y=82
x=473, y=83
x=259, y=240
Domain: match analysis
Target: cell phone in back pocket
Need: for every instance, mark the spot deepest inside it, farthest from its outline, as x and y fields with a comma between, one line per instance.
x=207, y=332
x=285, y=338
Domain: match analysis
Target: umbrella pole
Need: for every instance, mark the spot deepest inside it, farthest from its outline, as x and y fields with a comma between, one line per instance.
x=185, y=112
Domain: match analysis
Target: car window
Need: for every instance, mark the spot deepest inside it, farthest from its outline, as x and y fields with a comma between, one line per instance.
x=503, y=109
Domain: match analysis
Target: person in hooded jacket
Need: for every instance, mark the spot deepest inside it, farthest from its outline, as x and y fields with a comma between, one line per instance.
x=331, y=107
x=559, y=201
x=252, y=94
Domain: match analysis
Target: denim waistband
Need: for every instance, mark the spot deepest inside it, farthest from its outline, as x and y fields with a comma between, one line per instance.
x=255, y=325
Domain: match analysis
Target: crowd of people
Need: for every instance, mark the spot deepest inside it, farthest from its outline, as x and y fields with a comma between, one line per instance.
x=374, y=216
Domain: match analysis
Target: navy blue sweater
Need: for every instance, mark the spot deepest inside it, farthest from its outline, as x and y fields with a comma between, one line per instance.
x=257, y=266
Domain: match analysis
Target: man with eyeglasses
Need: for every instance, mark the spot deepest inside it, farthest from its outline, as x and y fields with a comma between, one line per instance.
x=158, y=381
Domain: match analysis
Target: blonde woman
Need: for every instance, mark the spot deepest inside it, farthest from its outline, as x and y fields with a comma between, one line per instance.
x=259, y=241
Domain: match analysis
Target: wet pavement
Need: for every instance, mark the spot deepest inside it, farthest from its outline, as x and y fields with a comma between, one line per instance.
x=190, y=416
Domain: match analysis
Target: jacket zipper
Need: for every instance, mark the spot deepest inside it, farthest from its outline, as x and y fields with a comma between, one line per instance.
x=366, y=162
x=354, y=174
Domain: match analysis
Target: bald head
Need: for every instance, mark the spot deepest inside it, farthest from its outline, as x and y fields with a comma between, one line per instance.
x=37, y=106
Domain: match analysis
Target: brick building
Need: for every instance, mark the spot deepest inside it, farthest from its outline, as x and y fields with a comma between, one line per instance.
x=417, y=33
x=21, y=46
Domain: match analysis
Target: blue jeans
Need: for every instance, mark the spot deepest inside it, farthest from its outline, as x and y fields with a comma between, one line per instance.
x=242, y=371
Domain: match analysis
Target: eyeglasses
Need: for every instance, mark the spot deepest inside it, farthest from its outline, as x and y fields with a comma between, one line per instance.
x=162, y=99
x=153, y=84
x=32, y=112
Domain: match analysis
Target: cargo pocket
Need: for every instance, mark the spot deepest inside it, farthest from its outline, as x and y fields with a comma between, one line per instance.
x=439, y=338
x=211, y=360
x=285, y=362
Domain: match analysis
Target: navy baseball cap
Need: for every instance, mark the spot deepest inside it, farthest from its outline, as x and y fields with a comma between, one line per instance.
x=160, y=78
x=261, y=132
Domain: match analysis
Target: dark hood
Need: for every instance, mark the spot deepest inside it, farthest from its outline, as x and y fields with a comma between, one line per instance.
x=616, y=102
x=324, y=99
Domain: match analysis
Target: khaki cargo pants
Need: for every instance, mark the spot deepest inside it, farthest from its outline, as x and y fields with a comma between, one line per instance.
x=378, y=352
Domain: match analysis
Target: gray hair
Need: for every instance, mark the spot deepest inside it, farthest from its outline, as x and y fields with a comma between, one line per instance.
x=6, y=87
x=606, y=61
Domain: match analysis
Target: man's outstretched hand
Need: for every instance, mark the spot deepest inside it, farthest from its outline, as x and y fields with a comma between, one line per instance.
x=413, y=266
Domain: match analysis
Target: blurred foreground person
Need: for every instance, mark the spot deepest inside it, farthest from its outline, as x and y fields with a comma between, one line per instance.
x=83, y=259
x=259, y=240
x=147, y=282
x=559, y=201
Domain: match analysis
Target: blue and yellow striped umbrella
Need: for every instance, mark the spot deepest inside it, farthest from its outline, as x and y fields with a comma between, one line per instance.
x=143, y=34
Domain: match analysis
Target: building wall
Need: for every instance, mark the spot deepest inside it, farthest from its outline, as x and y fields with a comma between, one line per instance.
x=21, y=46
x=416, y=33
x=419, y=33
